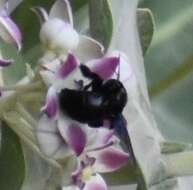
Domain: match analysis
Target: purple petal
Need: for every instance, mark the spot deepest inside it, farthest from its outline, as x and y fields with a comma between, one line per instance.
x=96, y=182
x=104, y=67
x=41, y=13
x=62, y=9
x=51, y=105
x=109, y=159
x=67, y=67
x=9, y=30
x=49, y=139
x=73, y=135
x=6, y=62
x=88, y=49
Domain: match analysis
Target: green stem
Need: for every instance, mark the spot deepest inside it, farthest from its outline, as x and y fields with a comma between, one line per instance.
x=178, y=74
x=31, y=97
x=19, y=125
x=23, y=87
x=26, y=115
x=28, y=137
x=179, y=164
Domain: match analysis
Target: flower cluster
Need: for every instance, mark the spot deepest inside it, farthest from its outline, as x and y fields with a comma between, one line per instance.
x=95, y=150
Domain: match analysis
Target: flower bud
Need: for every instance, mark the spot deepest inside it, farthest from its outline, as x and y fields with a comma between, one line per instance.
x=56, y=34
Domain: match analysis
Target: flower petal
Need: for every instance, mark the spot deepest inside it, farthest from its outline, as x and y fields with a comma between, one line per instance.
x=73, y=187
x=88, y=49
x=109, y=159
x=68, y=66
x=62, y=9
x=101, y=138
x=96, y=182
x=72, y=134
x=11, y=5
x=48, y=77
x=51, y=105
x=58, y=35
x=9, y=31
x=104, y=67
x=6, y=62
x=49, y=139
x=41, y=13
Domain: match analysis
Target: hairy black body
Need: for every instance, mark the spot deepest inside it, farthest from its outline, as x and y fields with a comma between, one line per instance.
x=97, y=101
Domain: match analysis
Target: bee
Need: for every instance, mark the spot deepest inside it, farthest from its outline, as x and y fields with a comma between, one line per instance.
x=96, y=102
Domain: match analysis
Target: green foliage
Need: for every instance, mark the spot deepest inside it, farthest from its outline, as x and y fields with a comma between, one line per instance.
x=12, y=165
x=101, y=21
x=77, y=4
x=145, y=23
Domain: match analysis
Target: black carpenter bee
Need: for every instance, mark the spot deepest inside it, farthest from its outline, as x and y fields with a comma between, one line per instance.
x=96, y=102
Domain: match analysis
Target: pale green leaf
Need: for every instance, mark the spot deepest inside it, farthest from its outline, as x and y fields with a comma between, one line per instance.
x=145, y=23
x=101, y=22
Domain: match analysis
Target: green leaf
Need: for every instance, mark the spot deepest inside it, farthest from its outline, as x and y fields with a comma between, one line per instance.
x=123, y=176
x=145, y=23
x=77, y=4
x=13, y=73
x=101, y=21
x=12, y=165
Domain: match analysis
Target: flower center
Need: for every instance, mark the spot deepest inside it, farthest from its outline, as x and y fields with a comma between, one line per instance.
x=86, y=173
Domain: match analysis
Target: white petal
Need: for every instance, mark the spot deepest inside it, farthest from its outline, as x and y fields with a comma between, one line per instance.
x=95, y=183
x=56, y=34
x=88, y=49
x=62, y=9
x=48, y=77
x=11, y=5
x=49, y=139
x=70, y=188
x=99, y=137
x=41, y=14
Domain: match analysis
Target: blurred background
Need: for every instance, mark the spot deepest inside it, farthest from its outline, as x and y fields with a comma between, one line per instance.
x=169, y=67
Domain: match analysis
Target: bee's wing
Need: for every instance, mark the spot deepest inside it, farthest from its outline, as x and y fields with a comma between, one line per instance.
x=119, y=124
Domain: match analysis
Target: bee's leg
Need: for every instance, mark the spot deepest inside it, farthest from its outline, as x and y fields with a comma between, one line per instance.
x=96, y=80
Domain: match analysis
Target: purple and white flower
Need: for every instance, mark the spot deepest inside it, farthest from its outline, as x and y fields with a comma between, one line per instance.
x=70, y=139
x=77, y=139
x=59, y=37
x=9, y=32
